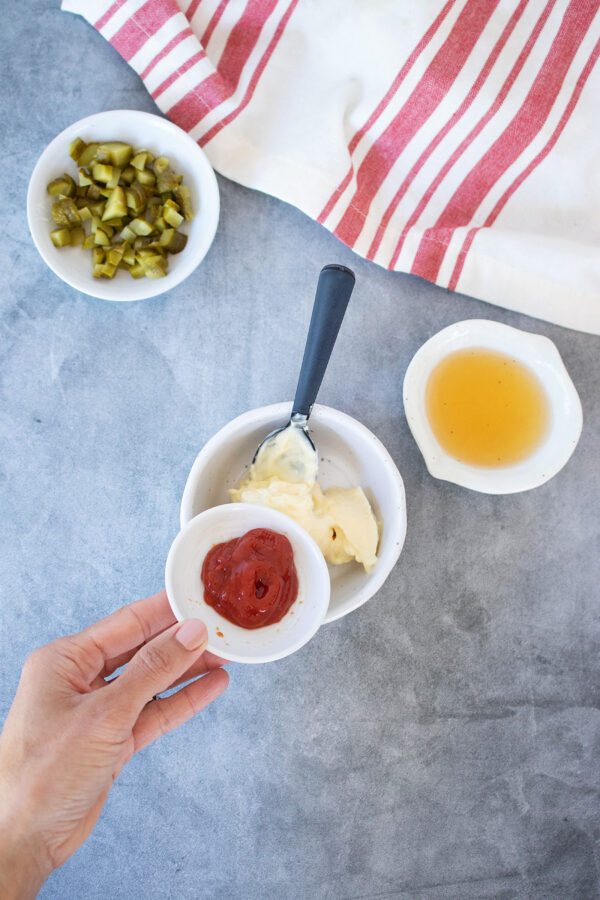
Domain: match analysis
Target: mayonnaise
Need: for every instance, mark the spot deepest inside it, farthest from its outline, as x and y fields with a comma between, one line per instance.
x=340, y=520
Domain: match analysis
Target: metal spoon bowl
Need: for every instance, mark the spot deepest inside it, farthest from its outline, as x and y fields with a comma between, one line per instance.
x=291, y=443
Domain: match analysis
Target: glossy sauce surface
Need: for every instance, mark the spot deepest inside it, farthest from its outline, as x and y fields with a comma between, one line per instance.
x=251, y=580
x=486, y=408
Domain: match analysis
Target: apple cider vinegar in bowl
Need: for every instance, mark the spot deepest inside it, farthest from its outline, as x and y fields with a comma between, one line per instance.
x=492, y=408
x=486, y=408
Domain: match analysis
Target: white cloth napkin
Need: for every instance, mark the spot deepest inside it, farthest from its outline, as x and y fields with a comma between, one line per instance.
x=455, y=140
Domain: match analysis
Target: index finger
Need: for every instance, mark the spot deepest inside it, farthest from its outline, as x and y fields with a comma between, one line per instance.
x=129, y=626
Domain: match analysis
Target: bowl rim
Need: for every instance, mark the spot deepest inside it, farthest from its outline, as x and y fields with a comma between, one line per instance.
x=209, y=208
x=541, y=356
x=241, y=424
x=276, y=520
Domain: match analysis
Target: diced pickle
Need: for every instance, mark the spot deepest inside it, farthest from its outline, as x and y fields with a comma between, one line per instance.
x=88, y=155
x=139, y=160
x=173, y=241
x=116, y=152
x=108, y=270
x=167, y=181
x=155, y=270
x=140, y=226
x=93, y=192
x=116, y=205
x=150, y=157
x=60, y=237
x=102, y=172
x=96, y=208
x=161, y=164
x=106, y=228
x=76, y=148
x=64, y=185
x=114, y=255
x=129, y=256
x=153, y=210
x=77, y=236
x=136, y=198
x=184, y=199
x=114, y=181
x=127, y=234
x=64, y=212
x=172, y=218
x=89, y=243
x=128, y=174
x=146, y=177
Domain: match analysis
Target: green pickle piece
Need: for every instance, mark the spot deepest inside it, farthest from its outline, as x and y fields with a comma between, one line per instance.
x=64, y=212
x=184, y=199
x=173, y=241
x=64, y=185
x=172, y=218
x=116, y=206
x=116, y=152
x=88, y=155
x=128, y=175
x=76, y=148
x=140, y=226
x=61, y=237
x=161, y=164
x=136, y=198
x=146, y=177
x=102, y=172
x=139, y=160
x=77, y=236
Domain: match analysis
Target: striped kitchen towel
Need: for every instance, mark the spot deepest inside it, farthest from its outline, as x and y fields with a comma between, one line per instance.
x=454, y=139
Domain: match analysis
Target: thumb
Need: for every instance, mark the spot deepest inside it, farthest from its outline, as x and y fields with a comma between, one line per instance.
x=157, y=665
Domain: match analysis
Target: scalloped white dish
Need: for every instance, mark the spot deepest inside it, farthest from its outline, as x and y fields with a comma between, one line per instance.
x=536, y=352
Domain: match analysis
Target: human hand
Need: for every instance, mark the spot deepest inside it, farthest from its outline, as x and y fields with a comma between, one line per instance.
x=69, y=731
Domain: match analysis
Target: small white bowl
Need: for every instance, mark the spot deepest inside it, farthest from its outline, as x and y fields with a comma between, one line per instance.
x=349, y=456
x=140, y=129
x=186, y=591
x=542, y=357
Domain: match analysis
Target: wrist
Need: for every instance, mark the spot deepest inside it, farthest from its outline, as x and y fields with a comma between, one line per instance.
x=24, y=865
x=21, y=875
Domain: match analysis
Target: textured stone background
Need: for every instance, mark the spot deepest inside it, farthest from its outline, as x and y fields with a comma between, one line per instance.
x=441, y=742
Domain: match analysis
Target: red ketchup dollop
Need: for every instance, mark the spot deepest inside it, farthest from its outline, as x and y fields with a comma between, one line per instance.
x=251, y=580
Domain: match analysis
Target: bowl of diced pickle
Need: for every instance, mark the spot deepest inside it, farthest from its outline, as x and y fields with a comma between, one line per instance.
x=123, y=205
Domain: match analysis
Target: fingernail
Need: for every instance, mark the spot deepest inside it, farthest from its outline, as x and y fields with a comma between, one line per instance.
x=192, y=634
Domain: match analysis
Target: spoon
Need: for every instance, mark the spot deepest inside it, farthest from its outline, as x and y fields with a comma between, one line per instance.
x=289, y=451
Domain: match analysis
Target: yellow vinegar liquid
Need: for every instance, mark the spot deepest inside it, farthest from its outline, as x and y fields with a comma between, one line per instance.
x=485, y=408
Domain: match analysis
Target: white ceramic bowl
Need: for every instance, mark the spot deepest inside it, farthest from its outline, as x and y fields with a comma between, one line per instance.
x=349, y=456
x=186, y=592
x=542, y=357
x=141, y=129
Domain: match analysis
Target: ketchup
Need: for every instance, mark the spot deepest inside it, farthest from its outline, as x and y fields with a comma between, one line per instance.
x=251, y=580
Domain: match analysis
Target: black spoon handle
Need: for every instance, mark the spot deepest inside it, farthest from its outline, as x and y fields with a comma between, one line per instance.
x=331, y=299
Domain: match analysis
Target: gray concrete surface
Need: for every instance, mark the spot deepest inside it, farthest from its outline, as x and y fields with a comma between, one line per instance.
x=441, y=742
